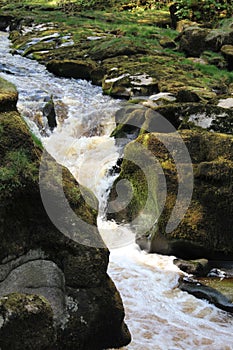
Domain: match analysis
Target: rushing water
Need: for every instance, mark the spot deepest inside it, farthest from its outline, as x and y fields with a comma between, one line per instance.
x=158, y=314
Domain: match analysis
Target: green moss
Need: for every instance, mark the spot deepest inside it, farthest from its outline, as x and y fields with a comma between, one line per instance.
x=17, y=171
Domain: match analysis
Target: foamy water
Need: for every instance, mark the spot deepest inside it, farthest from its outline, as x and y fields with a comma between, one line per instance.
x=159, y=315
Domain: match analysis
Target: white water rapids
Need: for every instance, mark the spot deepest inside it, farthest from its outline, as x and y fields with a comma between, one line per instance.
x=158, y=314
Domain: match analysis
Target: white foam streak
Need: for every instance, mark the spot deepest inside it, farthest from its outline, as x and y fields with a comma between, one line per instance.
x=159, y=315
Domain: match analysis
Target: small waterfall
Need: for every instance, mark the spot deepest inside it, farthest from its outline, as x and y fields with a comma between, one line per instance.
x=159, y=315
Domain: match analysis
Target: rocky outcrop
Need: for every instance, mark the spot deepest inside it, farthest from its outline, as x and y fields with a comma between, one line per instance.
x=8, y=96
x=194, y=40
x=146, y=115
x=205, y=230
x=56, y=261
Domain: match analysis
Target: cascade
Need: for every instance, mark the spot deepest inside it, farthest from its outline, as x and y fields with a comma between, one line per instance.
x=159, y=315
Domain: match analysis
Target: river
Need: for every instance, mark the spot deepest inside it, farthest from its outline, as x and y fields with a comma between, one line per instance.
x=159, y=315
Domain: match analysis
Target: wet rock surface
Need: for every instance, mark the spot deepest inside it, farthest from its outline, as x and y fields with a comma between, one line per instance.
x=210, y=294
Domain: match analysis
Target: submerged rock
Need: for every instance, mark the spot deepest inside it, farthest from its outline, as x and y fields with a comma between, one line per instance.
x=50, y=114
x=210, y=294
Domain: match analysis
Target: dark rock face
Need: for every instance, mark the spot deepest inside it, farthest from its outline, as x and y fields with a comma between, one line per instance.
x=26, y=322
x=50, y=114
x=5, y=21
x=66, y=265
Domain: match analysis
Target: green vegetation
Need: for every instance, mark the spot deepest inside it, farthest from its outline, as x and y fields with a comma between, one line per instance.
x=17, y=170
x=36, y=140
x=207, y=11
x=134, y=37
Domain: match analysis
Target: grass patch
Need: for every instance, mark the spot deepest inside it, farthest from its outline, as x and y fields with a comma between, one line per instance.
x=215, y=73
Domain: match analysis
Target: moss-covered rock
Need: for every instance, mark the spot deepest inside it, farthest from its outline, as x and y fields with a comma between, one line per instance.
x=205, y=230
x=144, y=116
x=192, y=40
x=104, y=49
x=227, y=51
x=8, y=96
x=26, y=322
x=78, y=69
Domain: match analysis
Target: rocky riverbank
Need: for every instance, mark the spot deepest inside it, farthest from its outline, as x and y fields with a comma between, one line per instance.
x=192, y=72
x=54, y=291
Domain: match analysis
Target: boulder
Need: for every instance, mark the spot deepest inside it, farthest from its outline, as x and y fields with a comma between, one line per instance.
x=78, y=69
x=205, y=229
x=198, y=267
x=192, y=41
x=217, y=38
x=227, y=51
x=53, y=251
x=5, y=21
x=50, y=114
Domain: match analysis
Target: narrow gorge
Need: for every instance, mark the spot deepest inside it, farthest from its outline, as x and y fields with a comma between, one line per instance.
x=55, y=288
